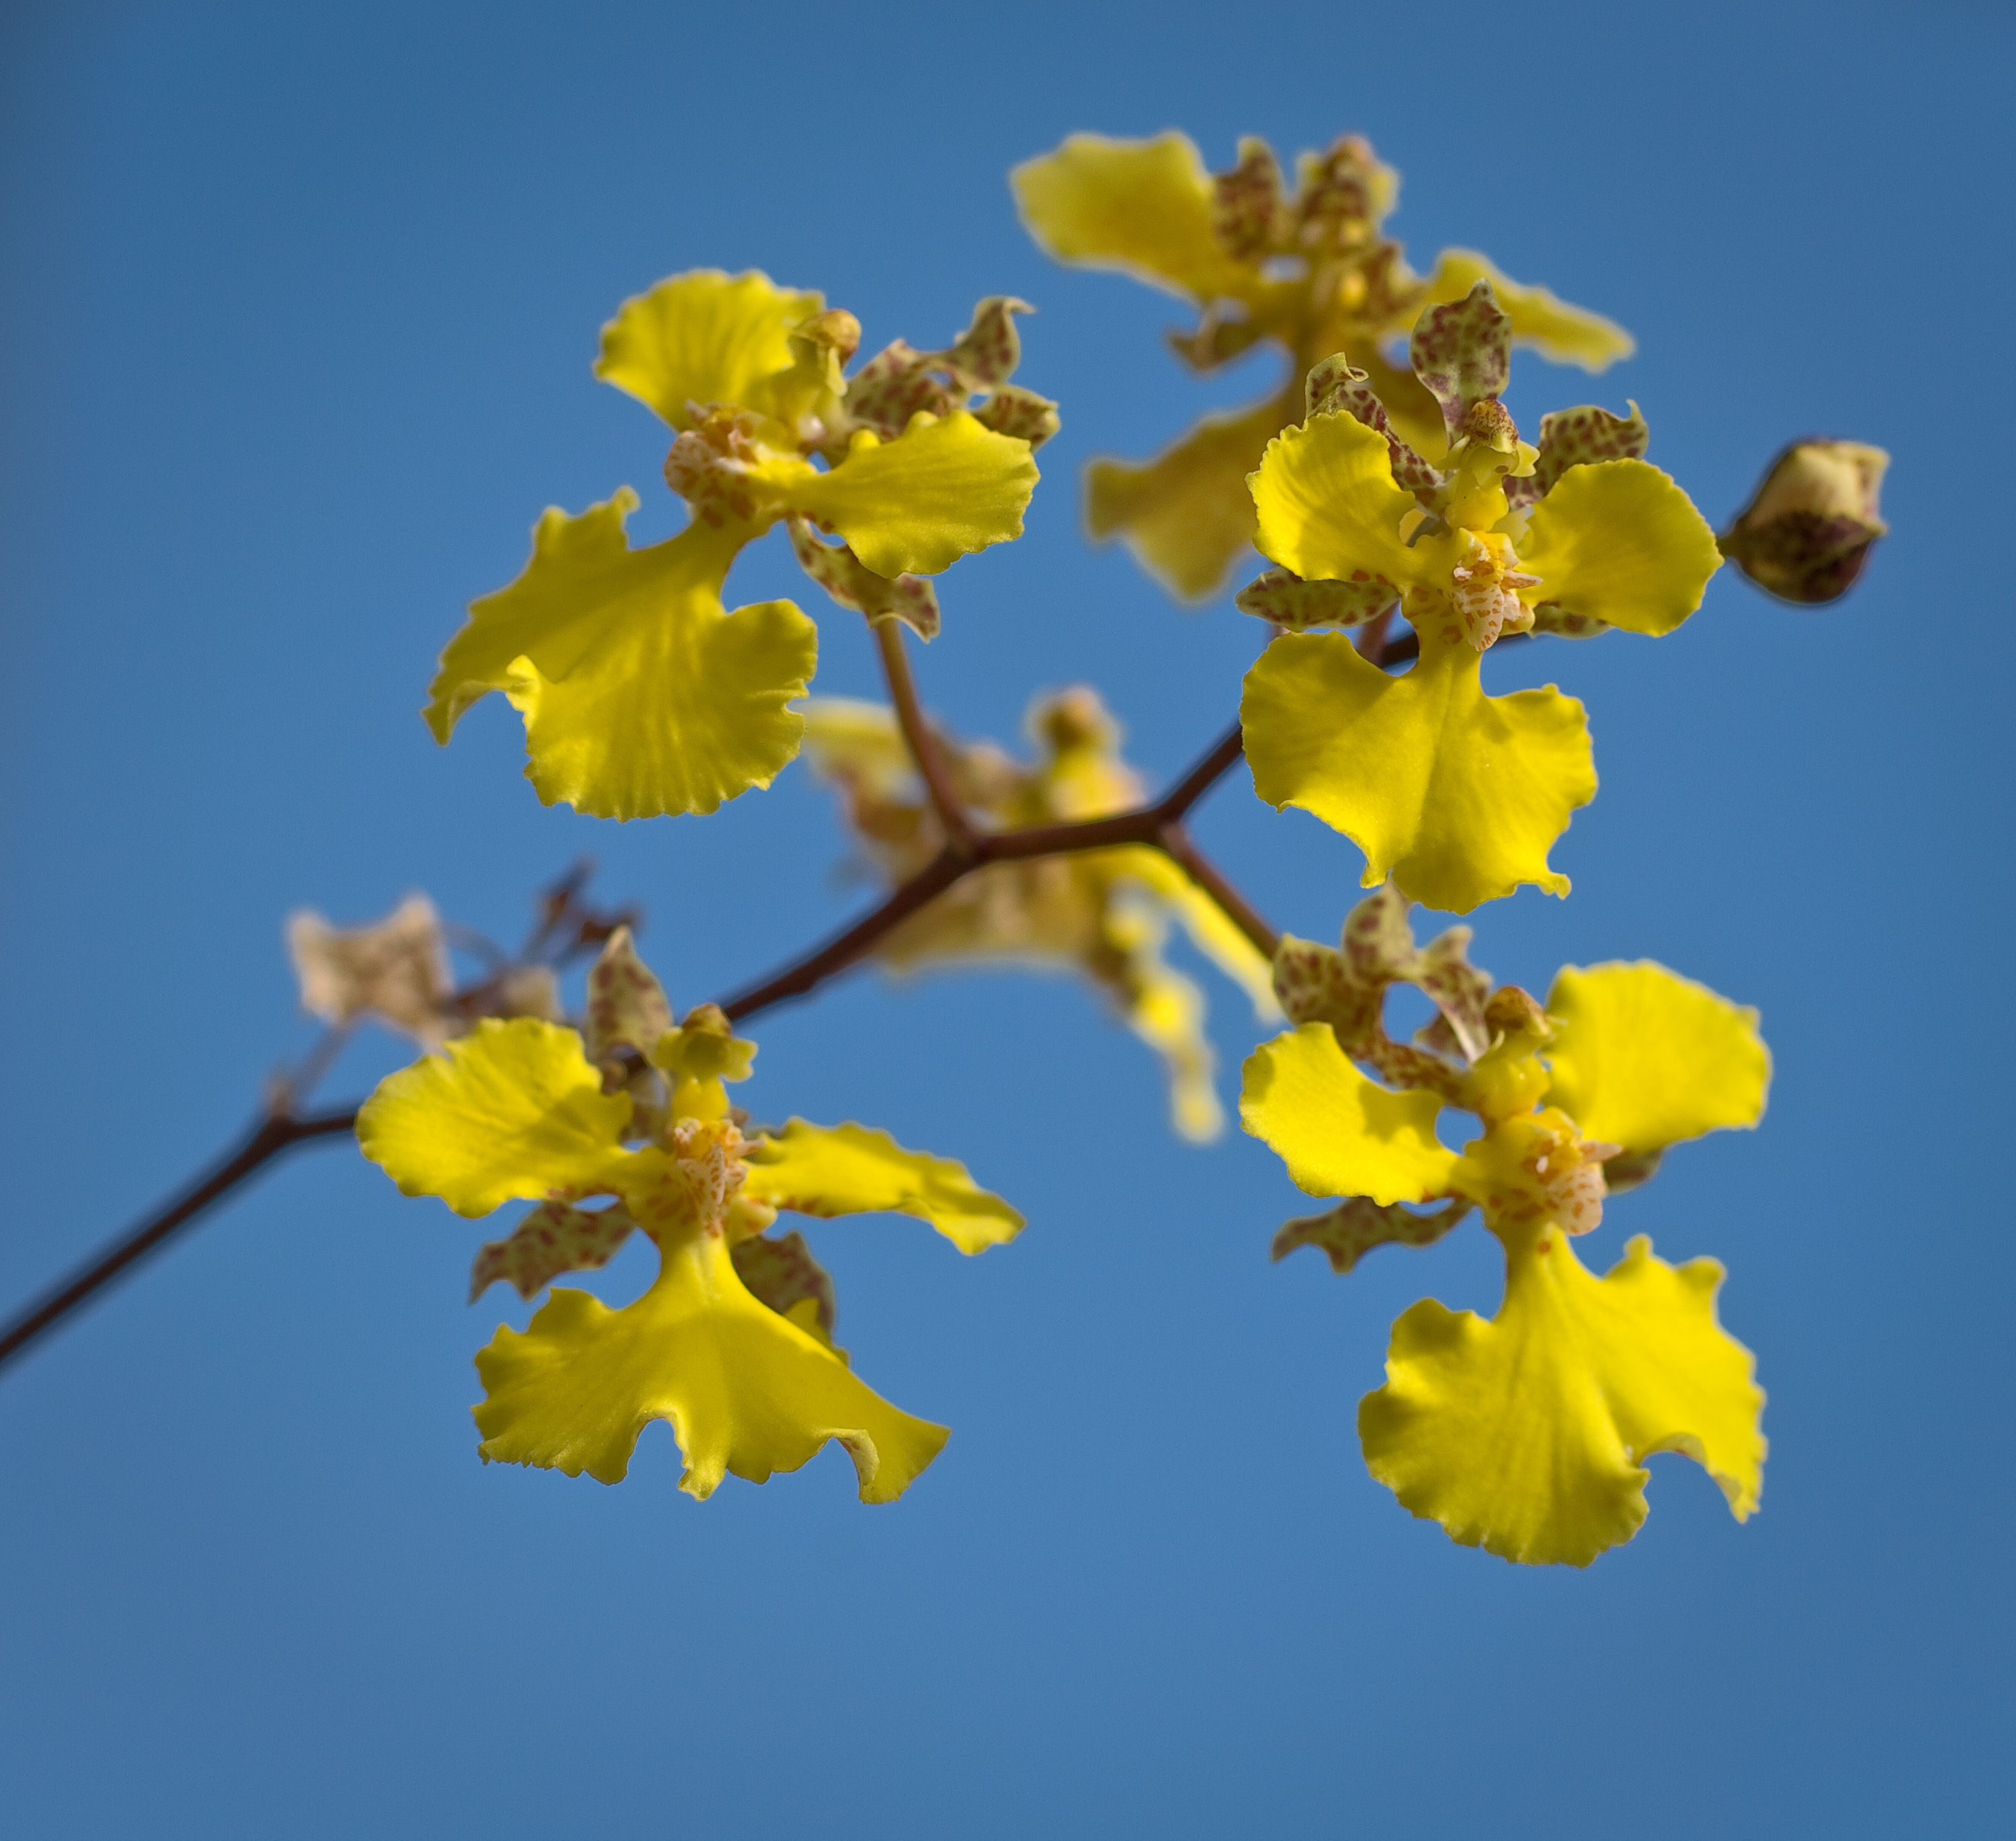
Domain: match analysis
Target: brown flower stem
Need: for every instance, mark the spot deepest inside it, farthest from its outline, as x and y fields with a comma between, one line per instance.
x=932, y=767
x=1159, y=827
x=292, y=1089
x=273, y=1135
x=1154, y=825
x=1177, y=842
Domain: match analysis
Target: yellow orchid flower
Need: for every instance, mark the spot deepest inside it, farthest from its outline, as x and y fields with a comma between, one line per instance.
x=733, y=1342
x=641, y=694
x=1458, y=795
x=1525, y=1434
x=1103, y=913
x=1312, y=273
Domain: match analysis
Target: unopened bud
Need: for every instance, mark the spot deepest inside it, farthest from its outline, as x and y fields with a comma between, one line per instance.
x=837, y=329
x=1513, y=1012
x=1488, y=420
x=1075, y=718
x=1808, y=530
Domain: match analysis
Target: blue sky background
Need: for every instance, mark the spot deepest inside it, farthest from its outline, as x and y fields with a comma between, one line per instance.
x=295, y=330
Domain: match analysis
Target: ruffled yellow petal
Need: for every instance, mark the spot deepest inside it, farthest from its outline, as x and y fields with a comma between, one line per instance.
x=1161, y=1006
x=1186, y=515
x=1143, y=207
x=1540, y=319
x=944, y=488
x=745, y=1388
x=641, y=695
x=1210, y=931
x=1457, y=795
x=1525, y=1435
x=1338, y=1132
x=1328, y=508
x=703, y=337
x=512, y=1109
x=1167, y=1011
x=1644, y=1057
x=851, y=1169
x=1616, y=541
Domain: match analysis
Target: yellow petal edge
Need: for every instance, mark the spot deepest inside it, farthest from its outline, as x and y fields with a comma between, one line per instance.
x=1644, y=1057
x=641, y=694
x=853, y=1169
x=1338, y=1132
x=1457, y=796
x=1327, y=507
x=945, y=487
x=1526, y=1435
x=1618, y=541
x=508, y=1111
x=746, y=1389
x=1143, y=207
x=704, y=336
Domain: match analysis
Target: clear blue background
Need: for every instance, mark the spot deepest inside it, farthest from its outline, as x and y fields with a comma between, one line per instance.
x=299, y=304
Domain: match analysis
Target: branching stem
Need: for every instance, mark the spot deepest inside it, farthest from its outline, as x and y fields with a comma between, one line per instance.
x=1159, y=827
x=273, y=1134
x=933, y=768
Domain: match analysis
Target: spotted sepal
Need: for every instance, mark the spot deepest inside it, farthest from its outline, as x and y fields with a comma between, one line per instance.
x=984, y=357
x=1462, y=352
x=836, y=568
x=1347, y=1232
x=627, y=1006
x=1336, y=386
x=554, y=1237
x=780, y=1271
x=893, y=386
x=1574, y=438
x=1249, y=204
x=1297, y=606
x=1012, y=410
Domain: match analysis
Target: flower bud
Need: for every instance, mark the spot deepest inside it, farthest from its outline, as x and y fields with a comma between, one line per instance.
x=835, y=330
x=1808, y=530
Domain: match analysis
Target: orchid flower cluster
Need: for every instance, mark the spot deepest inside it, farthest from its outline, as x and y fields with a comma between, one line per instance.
x=1402, y=520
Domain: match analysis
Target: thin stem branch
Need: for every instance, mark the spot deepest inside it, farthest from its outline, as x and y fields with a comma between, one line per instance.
x=932, y=767
x=1176, y=841
x=268, y=1139
x=1160, y=826
x=1147, y=824
x=292, y=1089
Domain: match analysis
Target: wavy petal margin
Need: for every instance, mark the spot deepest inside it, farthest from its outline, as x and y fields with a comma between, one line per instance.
x=703, y=337
x=944, y=488
x=509, y=1111
x=1643, y=1058
x=642, y=695
x=1457, y=795
x=1338, y=1132
x=746, y=1389
x=852, y=1169
x=1143, y=207
x=1328, y=505
x=1618, y=541
x=1525, y=1435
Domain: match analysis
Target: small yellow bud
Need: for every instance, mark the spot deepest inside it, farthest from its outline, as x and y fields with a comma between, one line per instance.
x=1808, y=530
x=1488, y=420
x=837, y=329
